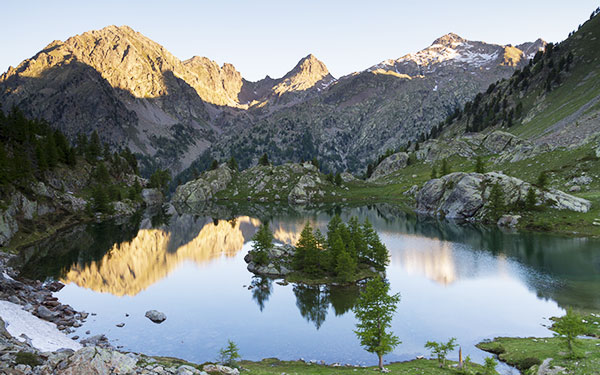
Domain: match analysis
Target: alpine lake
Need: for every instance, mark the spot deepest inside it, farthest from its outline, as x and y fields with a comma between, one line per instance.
x=455, y=280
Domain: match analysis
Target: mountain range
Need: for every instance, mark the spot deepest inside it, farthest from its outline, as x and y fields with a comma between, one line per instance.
x=176, y=114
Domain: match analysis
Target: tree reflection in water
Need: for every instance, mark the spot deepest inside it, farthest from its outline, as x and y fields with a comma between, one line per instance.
x=261, y=290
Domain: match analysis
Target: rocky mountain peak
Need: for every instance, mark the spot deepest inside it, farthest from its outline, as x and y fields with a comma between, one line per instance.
x=309, y=66
x=449, y=39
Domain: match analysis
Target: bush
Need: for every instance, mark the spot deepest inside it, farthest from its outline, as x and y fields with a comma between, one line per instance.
x=526, y=363
x=27, y=358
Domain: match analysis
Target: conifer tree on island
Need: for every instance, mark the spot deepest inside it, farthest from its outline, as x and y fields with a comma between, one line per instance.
x=374, y=311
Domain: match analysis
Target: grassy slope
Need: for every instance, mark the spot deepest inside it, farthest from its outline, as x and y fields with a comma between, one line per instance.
x=580, y=85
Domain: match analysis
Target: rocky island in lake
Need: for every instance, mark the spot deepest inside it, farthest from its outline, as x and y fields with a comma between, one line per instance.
x=348, y=254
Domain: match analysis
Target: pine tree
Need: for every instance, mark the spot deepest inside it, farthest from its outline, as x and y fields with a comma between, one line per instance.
x=496, y=205
x=264, y=160
x=101, y=174
x=40, y=155
x=338, y=179
x=346, y=266
x=230, y=354
x=374, y=311
x=100, y=200
x=542, y=180
x=232, y=164
x=531, y=199
x=214, y=165
x=433, y=172
x=262, y=243
x=51, y=152
x=4, y=170
x=479, y=165
x=445, y=168
x=94, y=148
x=306, y=257
x=569, y=327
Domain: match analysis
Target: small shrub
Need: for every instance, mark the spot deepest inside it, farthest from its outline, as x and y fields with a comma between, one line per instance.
x=526, y=363
x=27, y=358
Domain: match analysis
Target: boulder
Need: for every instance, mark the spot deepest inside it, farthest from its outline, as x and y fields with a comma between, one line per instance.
x=205, y=187
x=155, y=316
x=412, y=191
x=212, y=369
x=581, y=180
x=305, y=189
x=347, y=177
x=98, y=361
x=152, y=197
x=509, y=221
x=499, y=141
x=8, y=224
x=464, y=196
x=390, y=165
x=44, y=313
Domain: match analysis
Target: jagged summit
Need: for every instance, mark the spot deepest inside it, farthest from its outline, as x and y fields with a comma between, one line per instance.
x=449, y=39
x=309, y=66
x=135, y=93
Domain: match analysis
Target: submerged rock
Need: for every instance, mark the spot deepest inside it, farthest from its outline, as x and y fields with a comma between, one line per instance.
x=156, y=316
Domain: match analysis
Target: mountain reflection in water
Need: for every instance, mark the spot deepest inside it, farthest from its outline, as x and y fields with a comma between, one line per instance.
x=126, y=258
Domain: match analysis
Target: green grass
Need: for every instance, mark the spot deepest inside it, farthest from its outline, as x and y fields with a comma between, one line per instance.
x=274, y=366
x=361, y=274
x=519, y=351
x=592, y=324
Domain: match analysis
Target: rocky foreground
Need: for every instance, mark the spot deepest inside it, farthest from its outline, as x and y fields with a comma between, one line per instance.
x=33, y=342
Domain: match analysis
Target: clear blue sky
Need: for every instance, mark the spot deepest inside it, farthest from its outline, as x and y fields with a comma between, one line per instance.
x=269, y=37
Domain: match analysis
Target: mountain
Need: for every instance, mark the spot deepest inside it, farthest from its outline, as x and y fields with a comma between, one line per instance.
x=553, y=101
x=170, y=112
x=357, y=117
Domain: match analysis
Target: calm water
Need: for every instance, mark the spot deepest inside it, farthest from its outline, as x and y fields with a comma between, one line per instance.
x=457, y=281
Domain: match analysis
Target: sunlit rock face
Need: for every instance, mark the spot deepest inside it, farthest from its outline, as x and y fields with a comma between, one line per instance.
x=130, y=267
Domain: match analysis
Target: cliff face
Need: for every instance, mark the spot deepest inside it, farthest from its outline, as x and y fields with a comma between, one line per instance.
x=137, y=94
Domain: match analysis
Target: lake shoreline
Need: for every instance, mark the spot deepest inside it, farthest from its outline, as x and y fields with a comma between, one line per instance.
x=25, y=356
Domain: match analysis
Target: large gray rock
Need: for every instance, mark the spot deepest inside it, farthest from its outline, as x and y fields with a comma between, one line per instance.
x=152, y=197
x=155, y=316
x=509, y=221
x=205, y=187
x=305, y=189
x=44, y=313
x=465, y=196
x=581, y=180
x=499, y=141
x=98, y=361
x=220, y=369
x=8, y=224
x=347, y=177
x=390, y=165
